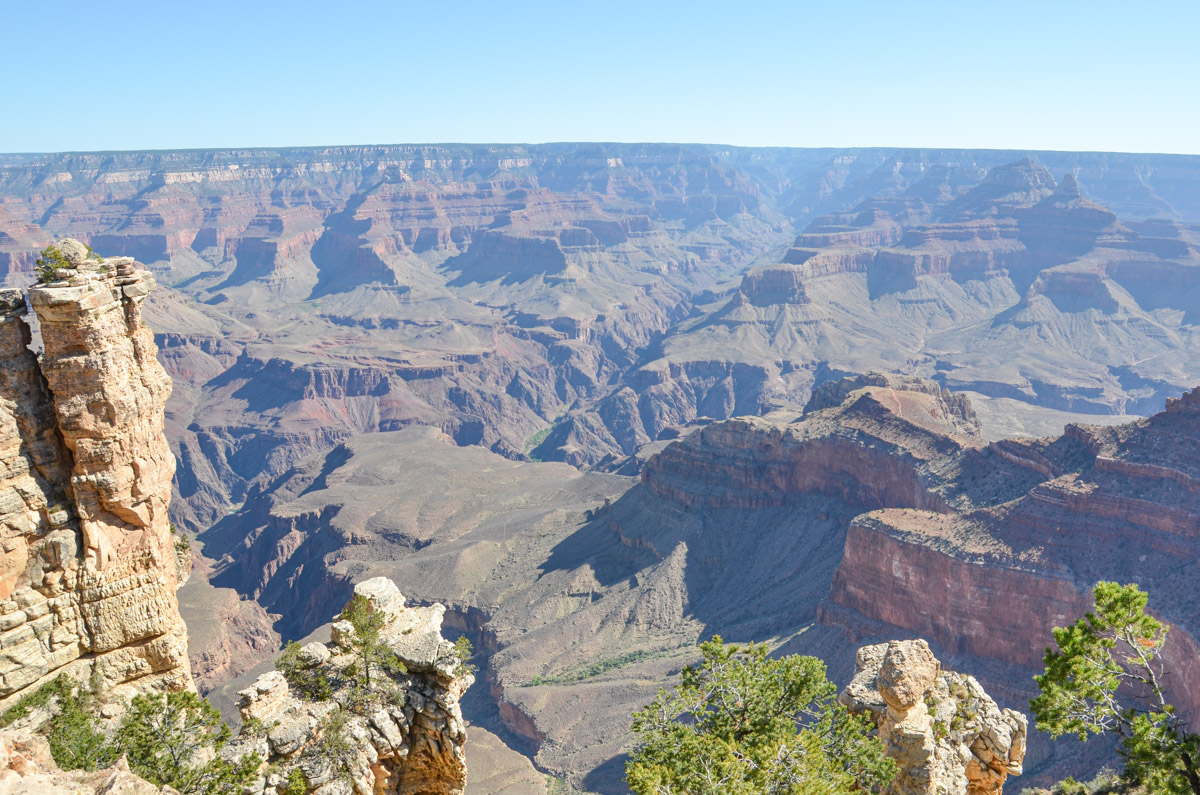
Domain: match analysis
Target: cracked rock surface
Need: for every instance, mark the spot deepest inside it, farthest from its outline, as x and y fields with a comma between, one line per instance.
x=409, y=742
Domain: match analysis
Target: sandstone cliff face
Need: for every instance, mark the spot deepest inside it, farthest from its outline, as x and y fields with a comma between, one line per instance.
x=896, y=561
x=89, y=568
x=410, y=745
x=946, y=734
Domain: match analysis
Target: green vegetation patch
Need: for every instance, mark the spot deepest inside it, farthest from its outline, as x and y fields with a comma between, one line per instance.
x=742, y=723
x=1106, y=783
x=307, y=681
x=49, y=261
x=169, y=739
x=27, y=703
x=595, y=669
x=535, y=441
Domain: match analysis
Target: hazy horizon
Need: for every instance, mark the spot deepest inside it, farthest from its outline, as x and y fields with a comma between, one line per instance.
x=706, y=144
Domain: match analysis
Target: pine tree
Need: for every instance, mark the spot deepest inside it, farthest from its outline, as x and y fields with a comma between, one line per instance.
x=174, y=739
x=374, y=657
x=1108, y=677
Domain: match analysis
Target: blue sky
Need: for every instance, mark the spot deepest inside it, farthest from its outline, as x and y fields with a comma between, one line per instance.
x=174, y=74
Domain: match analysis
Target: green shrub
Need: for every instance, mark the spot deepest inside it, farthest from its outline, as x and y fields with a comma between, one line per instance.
x=27, y=703
x=1107, y=677
x=534, y=441
x=73, y=731
x=296, y=783
x=464, y=651
x=169, y=740
x=335, y=749
x=50, y=260
x=1104, y=783
x=253, y=727
x=592, y=670
x=76, y=742
x=306, y=681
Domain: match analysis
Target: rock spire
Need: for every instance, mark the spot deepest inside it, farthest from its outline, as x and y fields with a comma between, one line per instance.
x=946, y=734
x=88, y=564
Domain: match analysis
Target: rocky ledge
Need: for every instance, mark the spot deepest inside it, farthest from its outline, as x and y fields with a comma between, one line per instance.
x=27, y=768
x=946, y=734
x=410, y=745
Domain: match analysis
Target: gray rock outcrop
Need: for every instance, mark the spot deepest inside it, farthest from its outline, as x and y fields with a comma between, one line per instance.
x=409, y=742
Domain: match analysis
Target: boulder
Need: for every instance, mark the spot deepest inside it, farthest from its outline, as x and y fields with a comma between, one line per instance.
x=72, y=250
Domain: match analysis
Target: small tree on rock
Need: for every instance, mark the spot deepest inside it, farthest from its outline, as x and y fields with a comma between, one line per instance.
x=740, y=723
x=1108, y=677
x=335, y=751
x=374, y=658
x=464, y=651
x=48, y=262
x=306, y=679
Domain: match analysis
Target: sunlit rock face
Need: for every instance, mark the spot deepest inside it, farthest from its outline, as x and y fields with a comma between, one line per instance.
x=89, y=568
x=26, y=767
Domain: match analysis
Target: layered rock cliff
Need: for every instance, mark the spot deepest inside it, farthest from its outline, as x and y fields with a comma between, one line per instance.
x=1004, y=287
x=574, y=301
x=322, y=295
x=90, y=568
x=991, y=580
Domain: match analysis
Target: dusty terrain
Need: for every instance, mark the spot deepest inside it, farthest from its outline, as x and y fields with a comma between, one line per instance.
x=572, y=302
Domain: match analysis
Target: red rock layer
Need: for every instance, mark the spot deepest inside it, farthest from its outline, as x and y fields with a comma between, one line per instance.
x=992, y=582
